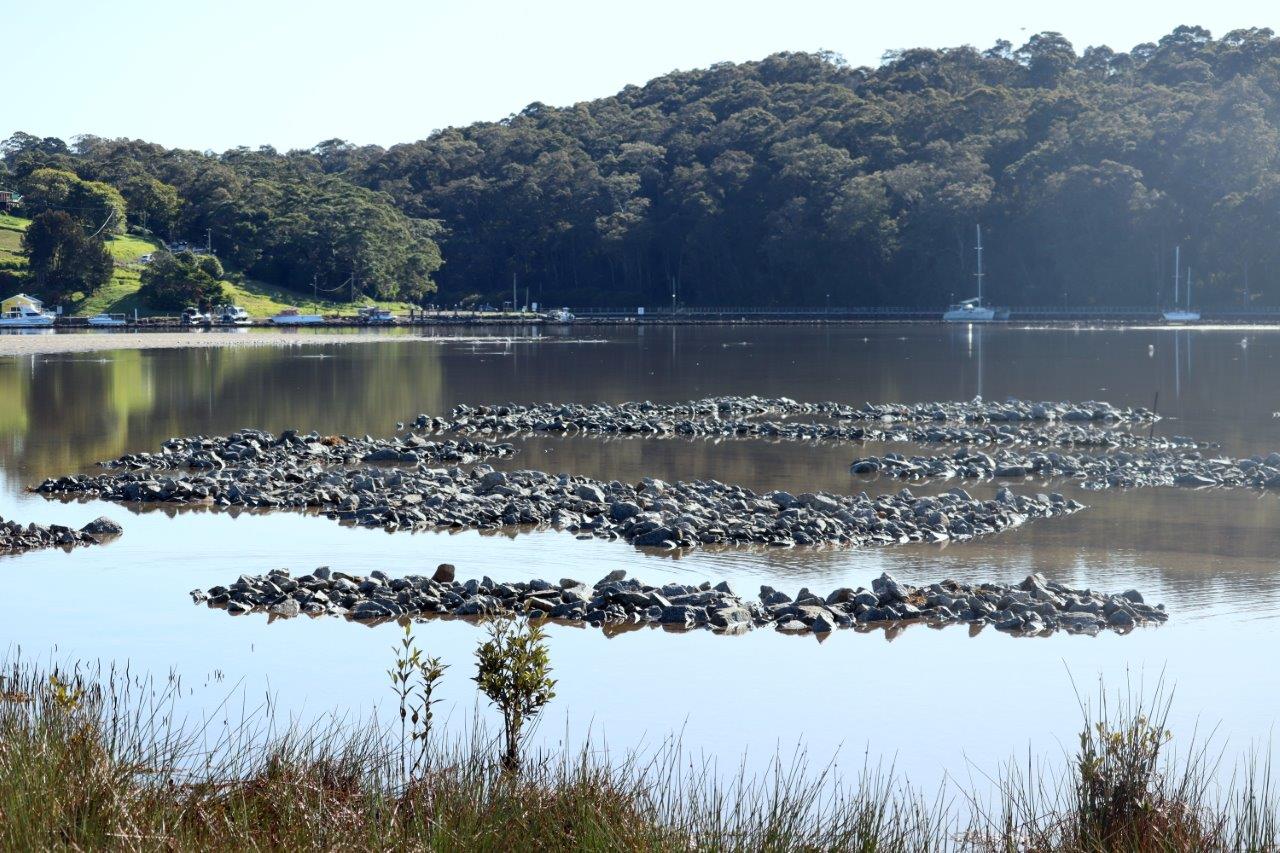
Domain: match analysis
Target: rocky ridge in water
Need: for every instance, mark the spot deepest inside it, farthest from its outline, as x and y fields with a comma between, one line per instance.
x=17, y=538
x=264, y=450
x=1035, y=606
x=978, y=423
x=652, y=513
x=1122, y=469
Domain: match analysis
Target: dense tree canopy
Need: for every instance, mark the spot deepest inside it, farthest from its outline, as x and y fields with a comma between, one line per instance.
x=173, y=282
x=96, y=205
x=795, y=179
x=64, y=261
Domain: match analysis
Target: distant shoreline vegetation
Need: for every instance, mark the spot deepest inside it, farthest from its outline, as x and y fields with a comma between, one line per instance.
x=793, y=180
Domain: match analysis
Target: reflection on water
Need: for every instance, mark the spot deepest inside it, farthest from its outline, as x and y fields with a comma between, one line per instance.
x=1210, y=556
x=61, y=413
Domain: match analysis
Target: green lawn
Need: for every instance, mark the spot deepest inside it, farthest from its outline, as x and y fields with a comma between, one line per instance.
x=12, y=223
x=11, y=229
x=126, y=249
x=120, y=295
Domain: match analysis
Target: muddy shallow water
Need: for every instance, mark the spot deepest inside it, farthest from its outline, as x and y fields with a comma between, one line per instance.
x=937, y=701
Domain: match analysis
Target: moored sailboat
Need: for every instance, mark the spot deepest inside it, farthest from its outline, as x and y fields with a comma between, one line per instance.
x=1176, y=314
x=972, y=310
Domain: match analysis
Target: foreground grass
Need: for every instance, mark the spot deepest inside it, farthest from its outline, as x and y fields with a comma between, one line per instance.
x=98, y=763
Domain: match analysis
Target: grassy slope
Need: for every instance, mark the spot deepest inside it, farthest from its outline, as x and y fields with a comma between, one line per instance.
x=120, y=295
x=11, y=241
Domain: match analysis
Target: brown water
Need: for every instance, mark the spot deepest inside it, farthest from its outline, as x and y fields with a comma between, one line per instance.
x=938, y=700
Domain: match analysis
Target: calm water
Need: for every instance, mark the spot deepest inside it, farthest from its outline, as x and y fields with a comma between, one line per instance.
x=936, y=701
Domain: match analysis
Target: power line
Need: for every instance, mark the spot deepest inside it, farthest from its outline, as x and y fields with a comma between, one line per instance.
x=110, y=216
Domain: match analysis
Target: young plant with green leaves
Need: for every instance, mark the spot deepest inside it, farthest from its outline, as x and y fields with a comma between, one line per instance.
x=514, y=671
x=414, y=679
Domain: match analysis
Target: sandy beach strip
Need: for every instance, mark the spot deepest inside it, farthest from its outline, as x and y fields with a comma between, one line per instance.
x=20, y=344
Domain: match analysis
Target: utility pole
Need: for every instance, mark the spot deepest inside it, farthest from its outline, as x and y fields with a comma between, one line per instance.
x=514, y=298
x=353, y=283
x=315, y=287
x=208, y=240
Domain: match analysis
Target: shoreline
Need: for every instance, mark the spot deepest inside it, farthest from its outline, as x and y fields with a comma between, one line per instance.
x=68, y=340
x=17, y=345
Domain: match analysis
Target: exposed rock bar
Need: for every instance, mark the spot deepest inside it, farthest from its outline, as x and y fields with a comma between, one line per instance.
x=17, y=538
x=1012, y=409
x=263, y=449
x=978, y=423
x=1034, y=607
x=1121, y=469
x=257, y=469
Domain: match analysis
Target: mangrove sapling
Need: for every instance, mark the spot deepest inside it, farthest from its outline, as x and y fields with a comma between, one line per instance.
x=514, y=671
x=414, y=680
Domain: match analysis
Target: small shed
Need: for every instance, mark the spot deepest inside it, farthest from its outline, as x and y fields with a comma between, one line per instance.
x=21, y=303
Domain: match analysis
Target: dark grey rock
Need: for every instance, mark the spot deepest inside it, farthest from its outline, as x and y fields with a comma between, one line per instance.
x=102, y=526
x=1034, y=606
x=888, y=589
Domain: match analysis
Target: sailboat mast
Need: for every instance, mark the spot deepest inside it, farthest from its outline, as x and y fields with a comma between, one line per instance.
x=1188, y=288
x=1177, y=272
x=979, y=273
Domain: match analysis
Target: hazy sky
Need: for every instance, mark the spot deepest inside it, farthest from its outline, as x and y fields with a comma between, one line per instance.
x=214, y=75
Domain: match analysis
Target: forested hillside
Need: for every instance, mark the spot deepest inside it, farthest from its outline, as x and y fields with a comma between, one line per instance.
x=793, y=180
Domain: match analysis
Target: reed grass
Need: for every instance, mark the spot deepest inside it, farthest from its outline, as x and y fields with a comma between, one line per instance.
x=96, y=759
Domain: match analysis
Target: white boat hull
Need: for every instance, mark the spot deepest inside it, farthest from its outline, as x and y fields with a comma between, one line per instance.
x=970, y=315
x=298, y=320
x=1182, y=316
x=40, y=322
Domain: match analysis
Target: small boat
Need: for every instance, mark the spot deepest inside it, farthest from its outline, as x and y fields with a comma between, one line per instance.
x=24, y=312
x=232, y=315
x=194, y=317
x=1176, y=314
x=294, y=317
x=108, y=321
x=972, y=310
x=373, y=316
x=560, y=317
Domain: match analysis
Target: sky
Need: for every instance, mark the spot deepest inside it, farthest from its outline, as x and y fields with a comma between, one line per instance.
x=216, y=75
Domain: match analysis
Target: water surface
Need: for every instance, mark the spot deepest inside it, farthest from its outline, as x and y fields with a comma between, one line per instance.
x=936, y=701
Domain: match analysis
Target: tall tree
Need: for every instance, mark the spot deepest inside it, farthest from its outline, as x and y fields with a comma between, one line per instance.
x=63, y=261
x=173, y=282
